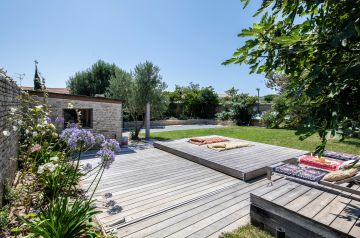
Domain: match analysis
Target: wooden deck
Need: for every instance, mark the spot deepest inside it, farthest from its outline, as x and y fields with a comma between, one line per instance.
x=164, y=195
x=305, y=211
x=150, y=182
x=243, y=163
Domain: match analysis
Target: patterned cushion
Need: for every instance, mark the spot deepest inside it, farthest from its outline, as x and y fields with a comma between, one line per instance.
x=341, y=156
x=321, y=163
x=296, y=171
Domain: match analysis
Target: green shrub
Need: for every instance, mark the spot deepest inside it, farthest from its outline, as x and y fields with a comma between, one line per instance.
x=54, y=178
x=225, y=115
x=4, y=217
x=269, y=119
x=237, y=107
x=63, y=218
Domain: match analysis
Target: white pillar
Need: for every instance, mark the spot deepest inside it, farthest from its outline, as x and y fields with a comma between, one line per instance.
x=147, y=122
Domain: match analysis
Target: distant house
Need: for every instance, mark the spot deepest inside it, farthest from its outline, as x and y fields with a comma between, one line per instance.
x=102, y=115
x=50, y=90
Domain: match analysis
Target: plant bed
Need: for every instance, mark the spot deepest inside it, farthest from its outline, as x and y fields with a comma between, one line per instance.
x=45, y=199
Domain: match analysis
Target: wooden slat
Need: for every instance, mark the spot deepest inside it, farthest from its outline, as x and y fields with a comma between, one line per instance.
x=303, y=200
x=328, y=214
x=347, y=218
x=315, y=206
x=292, y=195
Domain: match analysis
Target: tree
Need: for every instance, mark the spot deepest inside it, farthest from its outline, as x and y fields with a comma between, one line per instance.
x=232, y=93
x=39, y=82
x=136, y=90
x=92, y=81
x=270, y=97
x=197, y=102
x=316, y=44
x=237, y=107
x=278, y=82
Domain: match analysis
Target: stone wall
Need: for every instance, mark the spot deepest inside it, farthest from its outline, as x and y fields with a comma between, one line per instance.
x=8, y=144
x=263, y=107
x=107, y=117
x=171, y=122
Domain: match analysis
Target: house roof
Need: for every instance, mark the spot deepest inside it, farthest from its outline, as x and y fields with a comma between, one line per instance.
x=50, y=90
x=73, y=97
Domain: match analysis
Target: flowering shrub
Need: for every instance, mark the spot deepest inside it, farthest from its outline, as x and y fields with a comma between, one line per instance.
x=78, y=139
x=51, y=170
x=54, y=180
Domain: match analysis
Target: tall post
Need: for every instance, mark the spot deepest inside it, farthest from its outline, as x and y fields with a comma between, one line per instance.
x=258, y=104
x=147, y=122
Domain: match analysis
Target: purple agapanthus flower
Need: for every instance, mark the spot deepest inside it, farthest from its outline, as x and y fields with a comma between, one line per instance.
x=72, y=125
x=107, y=157
x=111, y=144
x=74, y=137
x=99, y=139
x=66, y=134
x=59, y=120
x=48, y=119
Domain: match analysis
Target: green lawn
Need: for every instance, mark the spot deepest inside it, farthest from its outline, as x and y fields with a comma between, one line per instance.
x=247, y=231
x=280, y=137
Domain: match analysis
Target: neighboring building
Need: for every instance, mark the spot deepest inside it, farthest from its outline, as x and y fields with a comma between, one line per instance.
x=50, y=90
x=102, y=115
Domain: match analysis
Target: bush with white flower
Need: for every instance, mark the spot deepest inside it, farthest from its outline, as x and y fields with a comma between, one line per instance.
x=51, y=170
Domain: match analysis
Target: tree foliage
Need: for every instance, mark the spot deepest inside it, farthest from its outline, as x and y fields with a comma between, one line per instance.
x=93, y=80
x=270, y=97
x=196, y=101
x=237, y=107
x=316, y=44
x=39, y=81
x=137, y=88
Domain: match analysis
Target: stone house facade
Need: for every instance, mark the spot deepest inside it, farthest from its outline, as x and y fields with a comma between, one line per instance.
x=101, y=115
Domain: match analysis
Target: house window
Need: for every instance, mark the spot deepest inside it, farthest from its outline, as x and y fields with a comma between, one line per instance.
x=86, y=117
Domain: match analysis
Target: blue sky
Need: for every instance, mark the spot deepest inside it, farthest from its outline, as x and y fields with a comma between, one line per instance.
x=187, y=39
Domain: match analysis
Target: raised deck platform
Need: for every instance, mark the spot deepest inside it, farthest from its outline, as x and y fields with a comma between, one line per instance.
x=305, y=211
x=243, y=163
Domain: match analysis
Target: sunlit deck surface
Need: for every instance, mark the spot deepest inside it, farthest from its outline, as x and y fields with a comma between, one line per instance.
x=244, y=163
x=306, y=211
x=164, y=195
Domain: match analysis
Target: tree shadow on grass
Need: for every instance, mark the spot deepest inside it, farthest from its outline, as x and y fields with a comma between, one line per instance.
x=354, y=143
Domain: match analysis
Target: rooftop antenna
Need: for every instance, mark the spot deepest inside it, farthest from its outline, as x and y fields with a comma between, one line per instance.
x=19, y=77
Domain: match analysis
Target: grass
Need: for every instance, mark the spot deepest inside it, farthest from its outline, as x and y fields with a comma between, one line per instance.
x=247, y=231
x=281, y=137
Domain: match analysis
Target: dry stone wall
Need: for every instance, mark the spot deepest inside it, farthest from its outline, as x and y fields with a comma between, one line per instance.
x=8, y=144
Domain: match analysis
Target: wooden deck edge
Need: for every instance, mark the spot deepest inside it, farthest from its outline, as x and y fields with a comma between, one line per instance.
x=218, y=167
x=270, y=216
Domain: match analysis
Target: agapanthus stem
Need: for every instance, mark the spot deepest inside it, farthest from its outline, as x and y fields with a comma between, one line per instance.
x=97, y=184
x=90, y=172
x=76, y=167
x=97, y=174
